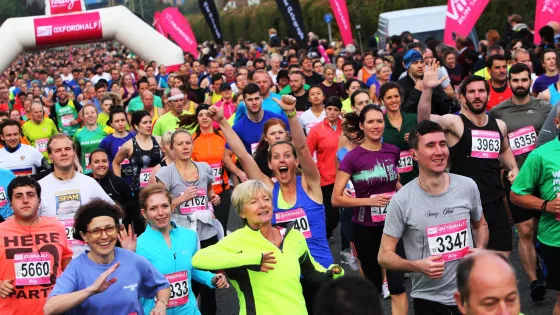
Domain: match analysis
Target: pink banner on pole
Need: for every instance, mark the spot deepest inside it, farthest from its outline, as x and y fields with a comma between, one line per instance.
x=177, y=26
x=157, y=24
x=461, y=18
x=340, y=10
x=546, y=11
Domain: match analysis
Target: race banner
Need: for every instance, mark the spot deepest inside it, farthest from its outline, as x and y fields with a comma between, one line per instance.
x=546, y=11
x=67, y=29
x=177, y=26
x=63, y=6
x=210, y=12
x=340, y=10
x=291, y=12
x=461, y=18
x=157, y=24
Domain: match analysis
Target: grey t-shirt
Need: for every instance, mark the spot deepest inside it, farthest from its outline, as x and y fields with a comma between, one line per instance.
x=412, y=211
x=549, y=130
x=517, y=117
x=195, y=213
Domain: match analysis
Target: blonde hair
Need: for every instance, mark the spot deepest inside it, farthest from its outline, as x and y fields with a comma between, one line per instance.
x=166, y=137
x=330, y=66
x=381, y=66
x=244, y=192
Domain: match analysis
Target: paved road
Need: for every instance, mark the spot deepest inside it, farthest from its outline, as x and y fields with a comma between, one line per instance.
x=228, y=304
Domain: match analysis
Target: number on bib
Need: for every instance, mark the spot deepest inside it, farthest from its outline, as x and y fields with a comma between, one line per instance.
x=450, y=240
x=299, y=217
x=32, y=269
x=67, y=120
x=179, y=286
x=3, y=198
x=217, y=172
x=69, y=229
x=378, y=213
x=523, y=140
x=41, y=145
x=145, y=174
x=405, y=162
x=196, y=204
x=485, y=144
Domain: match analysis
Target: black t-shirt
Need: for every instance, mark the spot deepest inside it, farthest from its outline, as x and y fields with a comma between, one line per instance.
x=196, y=95
x=336, y=89
x=302, y=102
x=314, y=79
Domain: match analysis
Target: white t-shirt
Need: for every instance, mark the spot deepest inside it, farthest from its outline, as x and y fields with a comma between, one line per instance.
x=273, y=76
x=24, y=161
x=62, y=199
x=308, y=120
x=97, y=77
x=68, y=77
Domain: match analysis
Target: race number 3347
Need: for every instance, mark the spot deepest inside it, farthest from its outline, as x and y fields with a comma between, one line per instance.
x=32, y=268
x=450, y=240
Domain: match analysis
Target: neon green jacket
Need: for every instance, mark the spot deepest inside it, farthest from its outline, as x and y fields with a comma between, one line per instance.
x=276, y=292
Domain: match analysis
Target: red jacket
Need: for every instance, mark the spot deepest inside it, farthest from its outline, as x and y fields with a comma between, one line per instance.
x=323, y=140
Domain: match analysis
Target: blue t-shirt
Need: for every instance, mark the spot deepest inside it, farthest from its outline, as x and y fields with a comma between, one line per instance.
x=6, y=178
x=543, y=81
x=136, y=278
x=111, y=145
x=250, y=132
x=176, y=262
x=267, y=104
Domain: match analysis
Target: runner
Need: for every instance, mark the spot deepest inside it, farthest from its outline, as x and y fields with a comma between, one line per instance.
x=116, y=188
x=328, y=86
x=524, y=116
x=477, y=148
x=433, y=216
x=142, y=151
x=274, y=130
x=65, y=112
x=65, y=190
x=271, y=259
x=323, y=142
x=88, y=137
x=190, y=185
x=83, y=288
x=21, y=159
x=168, y=156
x=168, y=121
x=351, y=86
x=118, y=120
x=34, y=252
x=103, y=116
x=6, y=178
x=316, y=114
x=38, y=129
x=537, y=188
x=263, y=81
x=165, y=241
x=398, y=125
x=372, y=169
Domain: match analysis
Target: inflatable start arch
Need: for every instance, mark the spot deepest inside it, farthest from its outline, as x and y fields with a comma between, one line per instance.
x=77, y=27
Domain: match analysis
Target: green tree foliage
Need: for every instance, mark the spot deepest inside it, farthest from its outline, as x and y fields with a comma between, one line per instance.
x=11, y=8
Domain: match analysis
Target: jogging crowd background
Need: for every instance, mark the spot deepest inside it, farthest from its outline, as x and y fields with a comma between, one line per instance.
x=117, y=176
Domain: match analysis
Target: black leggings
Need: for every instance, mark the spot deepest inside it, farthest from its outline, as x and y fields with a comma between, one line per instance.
x=366, y=240
x=425, y=307
x=207, y=295
x=221, y=211
x=331, y=214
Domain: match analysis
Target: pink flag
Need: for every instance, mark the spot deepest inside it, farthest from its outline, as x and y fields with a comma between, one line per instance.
x=177, y=26
x=340, y=10
x=157, y=24
x=461, y=18
x=546, y=11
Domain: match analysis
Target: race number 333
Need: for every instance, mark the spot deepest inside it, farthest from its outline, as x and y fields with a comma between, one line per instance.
x=450, y=240
x=32, y=268
x=298, y=216
x=485, y=144
x=179, y=285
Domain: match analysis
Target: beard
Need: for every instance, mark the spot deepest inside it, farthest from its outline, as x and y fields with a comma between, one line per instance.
x=476, y=110
x=520, y=92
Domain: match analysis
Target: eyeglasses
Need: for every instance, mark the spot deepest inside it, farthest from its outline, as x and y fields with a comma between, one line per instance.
x=110, y=231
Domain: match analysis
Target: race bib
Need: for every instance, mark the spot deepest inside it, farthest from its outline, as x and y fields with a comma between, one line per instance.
x=405, y=162
x=179, y=286
x=67, y=120
x=32, y=268
x=350, y=187
x=196, y=204
x=145, y=176
x=86, y=158
x=254, y=147
x=450, y=240
x=217, y=172
x=523, y=140
x=485, y=144
x=41, y=145
x=125, y=161
x=378, y=213
x=3, y=197
x=298, y=216
x=69, y=229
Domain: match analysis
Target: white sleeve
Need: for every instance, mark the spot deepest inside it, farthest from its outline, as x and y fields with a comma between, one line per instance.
x=36, y=156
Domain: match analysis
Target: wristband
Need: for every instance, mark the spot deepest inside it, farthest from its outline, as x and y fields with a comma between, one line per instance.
x=292, y=114
x=543, y=207
x=162, y=302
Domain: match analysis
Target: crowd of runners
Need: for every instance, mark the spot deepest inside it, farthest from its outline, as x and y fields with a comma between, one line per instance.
x=117, y=176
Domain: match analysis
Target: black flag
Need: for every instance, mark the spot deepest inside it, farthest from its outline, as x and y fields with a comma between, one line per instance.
x=291, y=12
x=208, y=8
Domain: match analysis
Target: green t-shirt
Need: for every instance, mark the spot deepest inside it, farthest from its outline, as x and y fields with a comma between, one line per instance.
x=541, y=172
x=288, y=89
x=408, y=169
x=65, y=115
x=136, y=103
x=167, y=122
x=38, y=135
x=88, y=141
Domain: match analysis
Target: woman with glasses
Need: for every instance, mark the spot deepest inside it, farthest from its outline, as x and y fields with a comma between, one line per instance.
x=106, y=279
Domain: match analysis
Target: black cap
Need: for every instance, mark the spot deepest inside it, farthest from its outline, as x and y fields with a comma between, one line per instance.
x=225, y=86
x=333, y=101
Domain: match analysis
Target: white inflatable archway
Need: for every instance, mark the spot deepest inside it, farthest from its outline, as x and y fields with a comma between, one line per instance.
x=115, y=23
